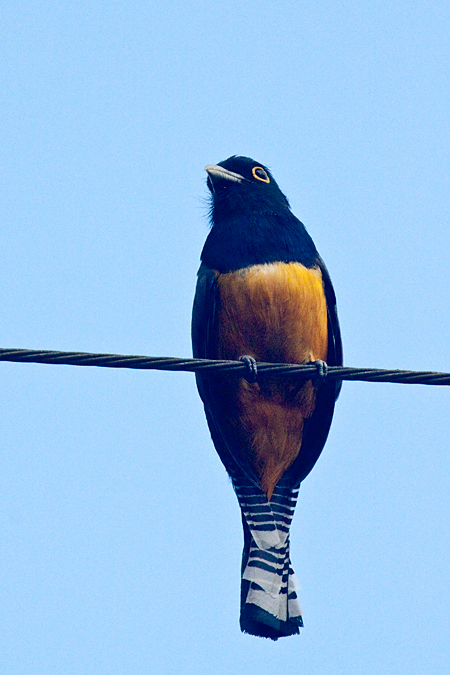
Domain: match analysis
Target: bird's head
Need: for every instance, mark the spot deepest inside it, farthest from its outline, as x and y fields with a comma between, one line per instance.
x=241, y=184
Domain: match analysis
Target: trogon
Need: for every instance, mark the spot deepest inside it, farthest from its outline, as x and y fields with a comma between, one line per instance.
x=264, y=293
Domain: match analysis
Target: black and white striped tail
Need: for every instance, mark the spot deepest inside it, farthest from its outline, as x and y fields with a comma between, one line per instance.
x=269, y=604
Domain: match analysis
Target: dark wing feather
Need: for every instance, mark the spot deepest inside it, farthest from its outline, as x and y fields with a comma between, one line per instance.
x=203, y=317
x=335, y=357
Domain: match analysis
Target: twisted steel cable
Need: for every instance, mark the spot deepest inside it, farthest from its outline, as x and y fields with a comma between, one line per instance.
x=240, y=368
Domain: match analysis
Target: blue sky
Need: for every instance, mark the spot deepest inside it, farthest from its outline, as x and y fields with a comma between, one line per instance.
x=120, y=534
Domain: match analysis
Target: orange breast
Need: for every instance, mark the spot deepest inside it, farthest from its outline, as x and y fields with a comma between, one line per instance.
x=274, y=312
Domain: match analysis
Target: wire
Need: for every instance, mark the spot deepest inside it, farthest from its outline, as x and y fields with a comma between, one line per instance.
x=213, y=366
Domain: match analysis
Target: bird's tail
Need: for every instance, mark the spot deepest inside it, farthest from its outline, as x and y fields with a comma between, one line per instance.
x=269, y=604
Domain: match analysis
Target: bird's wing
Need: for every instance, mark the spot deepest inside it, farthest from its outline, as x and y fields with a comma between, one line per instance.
x=203, y=318
x=334, y=332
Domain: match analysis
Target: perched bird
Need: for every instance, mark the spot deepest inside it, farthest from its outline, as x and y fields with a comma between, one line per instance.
x=264, y=293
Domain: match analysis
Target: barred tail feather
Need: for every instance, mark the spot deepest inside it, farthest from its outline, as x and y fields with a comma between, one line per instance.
x=269, y=604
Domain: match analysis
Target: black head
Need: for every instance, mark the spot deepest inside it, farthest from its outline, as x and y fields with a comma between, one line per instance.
x=240, y=183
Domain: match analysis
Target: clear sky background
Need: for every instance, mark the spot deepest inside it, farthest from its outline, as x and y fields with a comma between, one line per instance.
x=120, y=533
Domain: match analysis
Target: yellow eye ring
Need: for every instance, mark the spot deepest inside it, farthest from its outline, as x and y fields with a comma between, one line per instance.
x=264, y=178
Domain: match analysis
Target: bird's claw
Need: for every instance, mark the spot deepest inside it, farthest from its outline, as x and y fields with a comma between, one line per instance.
x=251, y=374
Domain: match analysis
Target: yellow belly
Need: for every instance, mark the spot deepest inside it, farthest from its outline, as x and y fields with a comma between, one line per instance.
x=274, y=312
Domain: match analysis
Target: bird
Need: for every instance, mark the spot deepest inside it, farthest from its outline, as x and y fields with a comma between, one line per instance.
x=264, y=294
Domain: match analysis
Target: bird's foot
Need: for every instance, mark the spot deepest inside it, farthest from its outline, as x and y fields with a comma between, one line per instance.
x=322, y=372
x=251, y=373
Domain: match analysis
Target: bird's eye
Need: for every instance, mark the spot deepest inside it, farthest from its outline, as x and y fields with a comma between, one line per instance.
x=259, y=173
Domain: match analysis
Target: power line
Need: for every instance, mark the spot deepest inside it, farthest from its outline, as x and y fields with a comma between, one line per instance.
x=214, y=366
